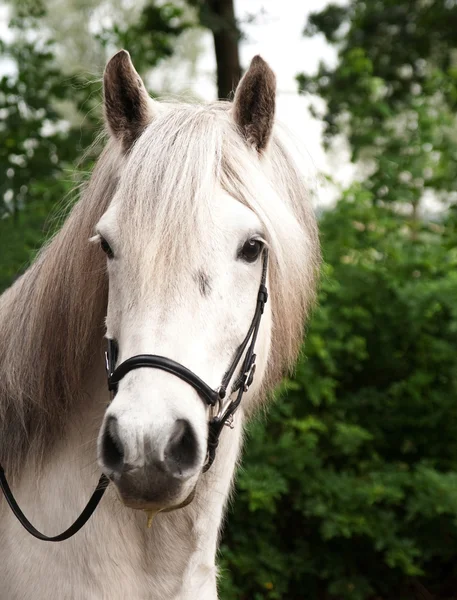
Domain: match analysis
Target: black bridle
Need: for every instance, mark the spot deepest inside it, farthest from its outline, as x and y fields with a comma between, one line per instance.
x=221, y=413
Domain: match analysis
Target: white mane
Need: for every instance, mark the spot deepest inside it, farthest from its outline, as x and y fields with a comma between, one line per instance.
x=172, y=175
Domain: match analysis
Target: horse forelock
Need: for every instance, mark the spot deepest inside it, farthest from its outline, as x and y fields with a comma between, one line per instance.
x=174, y=170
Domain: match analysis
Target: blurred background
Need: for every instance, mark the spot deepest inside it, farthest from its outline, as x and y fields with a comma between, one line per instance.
x=348, y=490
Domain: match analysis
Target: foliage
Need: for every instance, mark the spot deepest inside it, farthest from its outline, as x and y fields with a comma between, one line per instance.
x=39, y=145
x=152, y=36
x=350, y=485
x=394, y=93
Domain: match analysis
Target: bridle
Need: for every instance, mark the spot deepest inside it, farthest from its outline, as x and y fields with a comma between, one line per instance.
x=221, y=412
x=222, y=406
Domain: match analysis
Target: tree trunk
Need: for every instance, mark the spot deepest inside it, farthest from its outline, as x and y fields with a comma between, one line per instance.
x=219, y=17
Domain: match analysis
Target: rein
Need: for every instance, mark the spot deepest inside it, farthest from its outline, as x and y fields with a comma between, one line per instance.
x=221, y=413
x=86, y=514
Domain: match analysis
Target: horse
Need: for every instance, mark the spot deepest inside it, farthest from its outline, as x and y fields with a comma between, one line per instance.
x=165, y=251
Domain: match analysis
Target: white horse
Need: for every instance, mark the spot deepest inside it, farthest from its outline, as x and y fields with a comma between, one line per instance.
x=184, y=201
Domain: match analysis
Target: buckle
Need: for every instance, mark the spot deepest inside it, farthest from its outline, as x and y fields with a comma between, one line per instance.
x=107, y=365
x=229, y=422
x=215, y=410
x=250, y=374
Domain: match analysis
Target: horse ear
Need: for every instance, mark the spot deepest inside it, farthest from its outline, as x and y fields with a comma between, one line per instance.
x=254, y=103
x=127, y=105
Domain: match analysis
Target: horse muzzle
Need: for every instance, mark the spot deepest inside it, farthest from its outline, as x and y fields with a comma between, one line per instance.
x=153, y=473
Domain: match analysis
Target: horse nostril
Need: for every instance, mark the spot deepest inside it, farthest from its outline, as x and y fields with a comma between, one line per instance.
x=181, y=452
x=112, y=447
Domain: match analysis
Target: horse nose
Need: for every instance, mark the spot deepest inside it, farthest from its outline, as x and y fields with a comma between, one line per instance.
x=177, y=458
x=181, y=452
x=112, y=448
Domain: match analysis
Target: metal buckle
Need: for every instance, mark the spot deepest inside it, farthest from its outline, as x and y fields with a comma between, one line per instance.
x=230, y=422
x=107, y=365
x=219, y=408
x=250, y=374
x=216, y=409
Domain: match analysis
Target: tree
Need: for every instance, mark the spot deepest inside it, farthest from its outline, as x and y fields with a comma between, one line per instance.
x=219, y=17
x=37, y=146
x=349, y=489
x=50, y=117
x=394, y=93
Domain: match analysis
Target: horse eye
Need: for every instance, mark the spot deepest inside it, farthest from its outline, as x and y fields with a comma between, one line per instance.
x=251, y=250
x=106, y=248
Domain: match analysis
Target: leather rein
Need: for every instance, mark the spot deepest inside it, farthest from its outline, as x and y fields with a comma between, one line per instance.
x=221, y=413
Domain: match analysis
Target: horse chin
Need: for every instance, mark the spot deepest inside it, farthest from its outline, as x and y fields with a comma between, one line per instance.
x=154, y=507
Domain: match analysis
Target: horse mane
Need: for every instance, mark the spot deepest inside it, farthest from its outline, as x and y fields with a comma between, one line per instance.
x=51, y=324
x=52, y=318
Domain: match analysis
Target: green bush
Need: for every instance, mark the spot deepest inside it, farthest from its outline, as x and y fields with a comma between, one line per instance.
x=348, y=489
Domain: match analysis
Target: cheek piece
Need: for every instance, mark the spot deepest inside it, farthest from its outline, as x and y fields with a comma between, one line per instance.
x=221, y=413
x=222, y=405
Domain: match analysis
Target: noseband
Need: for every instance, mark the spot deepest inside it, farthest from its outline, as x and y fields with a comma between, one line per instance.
x=222, y=407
